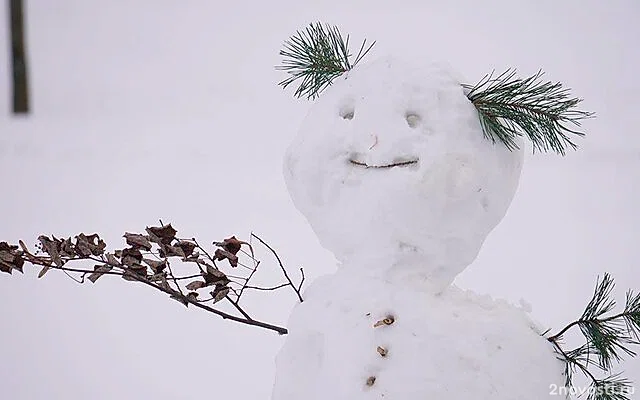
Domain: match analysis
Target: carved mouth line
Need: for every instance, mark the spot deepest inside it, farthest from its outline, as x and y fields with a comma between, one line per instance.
x=384, y=166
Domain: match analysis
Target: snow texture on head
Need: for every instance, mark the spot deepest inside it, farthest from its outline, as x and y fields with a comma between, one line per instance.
x=391, y=161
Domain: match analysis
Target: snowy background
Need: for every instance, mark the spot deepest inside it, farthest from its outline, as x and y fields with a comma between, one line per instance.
x=170, y=110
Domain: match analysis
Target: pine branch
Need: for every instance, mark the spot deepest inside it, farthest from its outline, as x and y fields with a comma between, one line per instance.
x=317, y=56
x=632, y=314
x=613, y=387
x=510, y=107
x=608, y=340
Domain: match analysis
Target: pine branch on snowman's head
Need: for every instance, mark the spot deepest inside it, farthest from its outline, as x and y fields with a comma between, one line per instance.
x=508, y=107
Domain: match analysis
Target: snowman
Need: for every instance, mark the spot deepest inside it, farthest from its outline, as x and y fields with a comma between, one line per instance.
x=393, y=173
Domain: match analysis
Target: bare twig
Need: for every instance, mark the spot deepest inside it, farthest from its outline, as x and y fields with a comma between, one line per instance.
x=247, y=281
x=156, y=271
x=284, y=271
x=267, y=288
x=173, y=277
x=301, y=279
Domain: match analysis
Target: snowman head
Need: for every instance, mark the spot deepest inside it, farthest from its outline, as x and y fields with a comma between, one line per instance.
x=391, y=161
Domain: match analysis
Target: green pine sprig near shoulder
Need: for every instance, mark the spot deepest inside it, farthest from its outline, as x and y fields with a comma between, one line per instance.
x=609, y=337
x=510, y=107
x=317, y=56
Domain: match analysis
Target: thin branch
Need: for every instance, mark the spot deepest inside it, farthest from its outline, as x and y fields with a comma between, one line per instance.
x=73, y=278
x=246, y=320
x=280, y=330
x=284, y=271
x=173, y=277
x=247, y=281
x=301, y=279
x=139, y=263
x=267, y=288
x=237, y=307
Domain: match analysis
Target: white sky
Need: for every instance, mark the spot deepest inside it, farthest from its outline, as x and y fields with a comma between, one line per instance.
x=122, y=87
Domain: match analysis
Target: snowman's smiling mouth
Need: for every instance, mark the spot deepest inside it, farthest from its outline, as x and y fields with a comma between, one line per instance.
x=399, y=164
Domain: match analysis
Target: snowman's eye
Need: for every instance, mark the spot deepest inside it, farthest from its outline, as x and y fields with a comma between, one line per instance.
x=347, y=112
x=412, y=119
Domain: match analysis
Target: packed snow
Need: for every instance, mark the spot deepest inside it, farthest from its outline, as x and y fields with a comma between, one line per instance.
x=394, y=174
x=457, y=345
x=392, y=161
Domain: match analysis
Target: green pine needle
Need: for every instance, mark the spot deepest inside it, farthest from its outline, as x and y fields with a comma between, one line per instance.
x=317, y=56
x=632, y=315
x=608, y=339
x=601, y=302
x=613, y=387
x=510, y=107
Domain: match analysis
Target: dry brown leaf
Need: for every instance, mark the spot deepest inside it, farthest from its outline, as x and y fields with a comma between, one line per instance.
x=232, y=245
x=187, y=247
x=10, y=258
x=5, y=267
x=51, y=247
x=170, y=251
x=214, y=271
x=215, y=277
x=131, y=256
x=195, y=285
x=82, y=245
x=66, y=248
x=156, y=277
x=98, y=271
x=137, y=240
x=138, y=269
x=18, y=262
x=161, y=234
x=6, y=256
x=112, y=260
x=193, y=296
x=96, y=244
x=219, y=294
x=129, y=275
x=180, y=298
x=4, y=246
x=43, y=271
x=156, y=266
x=164, y=283
x=222, y=254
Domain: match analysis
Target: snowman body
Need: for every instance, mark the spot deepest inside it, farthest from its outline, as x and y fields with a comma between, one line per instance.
x=395, y=177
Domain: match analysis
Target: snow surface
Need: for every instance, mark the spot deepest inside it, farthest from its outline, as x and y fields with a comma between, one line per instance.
x=392, y=161
x=456, y=345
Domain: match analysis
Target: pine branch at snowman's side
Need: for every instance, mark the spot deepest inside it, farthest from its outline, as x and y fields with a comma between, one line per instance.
x=316, y=56
x=608, y=339
x=632, y=314
x=613, y=386
x=510, y=107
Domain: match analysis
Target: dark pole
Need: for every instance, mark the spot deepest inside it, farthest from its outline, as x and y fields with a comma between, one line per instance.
x=19, y=61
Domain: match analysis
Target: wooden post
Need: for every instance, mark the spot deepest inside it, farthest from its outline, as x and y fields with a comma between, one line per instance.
x=19, y=61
